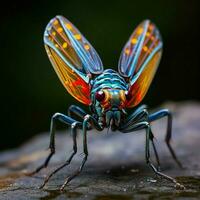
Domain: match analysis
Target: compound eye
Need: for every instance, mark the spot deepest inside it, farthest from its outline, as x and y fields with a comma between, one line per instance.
x=100, y=95
x=128, y=96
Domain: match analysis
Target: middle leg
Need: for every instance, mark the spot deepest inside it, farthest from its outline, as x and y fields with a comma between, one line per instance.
x=94, y=123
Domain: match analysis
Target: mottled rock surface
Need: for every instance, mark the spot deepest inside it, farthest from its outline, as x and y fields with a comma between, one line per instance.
x=116, y=167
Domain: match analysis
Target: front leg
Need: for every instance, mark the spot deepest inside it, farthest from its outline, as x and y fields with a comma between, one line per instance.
x=140, y=114
x=94, y=123
x=74, y=127
x=76, y=111
x=66, y=120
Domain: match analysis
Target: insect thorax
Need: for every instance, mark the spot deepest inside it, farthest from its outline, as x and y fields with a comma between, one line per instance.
x=109, y=79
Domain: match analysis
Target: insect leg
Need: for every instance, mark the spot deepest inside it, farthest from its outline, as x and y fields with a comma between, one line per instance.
x=76, y=111
x=147, y=155
x=87, y=118
x=146, y=126
x=155, y=150
x=166, y=113
x=56, y=117
x=74, y=127
x=140, y=114
x=73, y=109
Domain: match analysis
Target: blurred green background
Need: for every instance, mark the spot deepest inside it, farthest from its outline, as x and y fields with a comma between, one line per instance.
x=31, y=91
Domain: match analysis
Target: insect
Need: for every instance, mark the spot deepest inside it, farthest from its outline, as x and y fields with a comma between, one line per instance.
x=108, y=93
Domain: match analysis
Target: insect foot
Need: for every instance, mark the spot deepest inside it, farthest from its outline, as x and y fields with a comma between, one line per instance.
x=179, y=186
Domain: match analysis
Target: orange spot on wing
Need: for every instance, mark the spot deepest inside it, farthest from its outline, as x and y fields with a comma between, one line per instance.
x=55, y=22
x=87, y=47
x=145, y=48
x=59, y=30
x=151, y=27
x=77, y=36
x=148, y=34
x=69, y=26
x=134, y=41
x=127, y=51
x=152, y=37
x=140, y=30
x=64, y=45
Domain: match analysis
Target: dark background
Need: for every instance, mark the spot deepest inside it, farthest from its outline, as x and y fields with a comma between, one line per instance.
x=31, y=91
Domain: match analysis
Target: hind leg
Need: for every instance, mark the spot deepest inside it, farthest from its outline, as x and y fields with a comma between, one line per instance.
x=146, y=126
x=147, y=154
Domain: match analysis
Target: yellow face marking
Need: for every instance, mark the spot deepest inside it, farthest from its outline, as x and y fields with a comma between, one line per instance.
x=106, y=101
x=122, y=95
x=59, y=30
x=77, y=36
x=134, y=41
x=54, y=33
x=140, y=30
x=69, y=26
x=87, y=47
x=55, y=22
x=64, y=45
x=145, y=48
x=56, y=45
x=127, y=51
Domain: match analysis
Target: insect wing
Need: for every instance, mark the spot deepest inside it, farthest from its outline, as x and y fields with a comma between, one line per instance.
x=139, y=60
x=72, y=56
x=140, y=87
